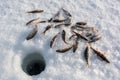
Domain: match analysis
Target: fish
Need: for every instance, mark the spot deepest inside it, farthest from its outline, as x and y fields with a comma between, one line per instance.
x=80, y=26
x=87, y=54
x=42, y=21
x=47, y=28
x=77, y=34
x=81, y=36
x=35, y=11
x=68, y=21
x=77, y=28
x=71, y=36
x=32, y=33
x=89, y=29
x=94, y=29
x=52, y=43
x=95, y=38
x=57, y=14
x=89, y=34
x=64, y=50
x=75, y=46
x=32, y=21
x=67, y=24
x=73, y=27
x=63, y=36
x=84, y=37
x=66, y=12
x=58, y=20
x=81, y=23
x=59, y=25
x=102, y=56
x=50, y=19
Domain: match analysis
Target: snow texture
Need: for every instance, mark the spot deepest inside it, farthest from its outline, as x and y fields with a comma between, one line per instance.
x=104, y=14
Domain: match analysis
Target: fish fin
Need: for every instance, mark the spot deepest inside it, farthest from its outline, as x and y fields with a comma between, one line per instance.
x=105, y=54
x=87, y=65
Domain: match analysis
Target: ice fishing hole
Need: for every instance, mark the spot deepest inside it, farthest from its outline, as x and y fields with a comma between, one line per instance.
x=33, y=64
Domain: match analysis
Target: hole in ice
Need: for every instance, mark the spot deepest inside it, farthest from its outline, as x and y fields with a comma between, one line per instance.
x=33, y=64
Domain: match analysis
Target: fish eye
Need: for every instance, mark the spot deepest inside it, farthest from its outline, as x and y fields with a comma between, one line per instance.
x=33, y=64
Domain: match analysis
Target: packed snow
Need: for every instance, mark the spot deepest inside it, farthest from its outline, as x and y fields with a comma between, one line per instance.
x=103, y=14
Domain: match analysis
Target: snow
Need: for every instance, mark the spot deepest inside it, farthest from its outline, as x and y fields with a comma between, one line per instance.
x=104, y=14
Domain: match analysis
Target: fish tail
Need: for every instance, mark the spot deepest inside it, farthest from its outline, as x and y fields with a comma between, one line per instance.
x=50, y=44
x=67, y=43
x=43, y=33
x=87, y=65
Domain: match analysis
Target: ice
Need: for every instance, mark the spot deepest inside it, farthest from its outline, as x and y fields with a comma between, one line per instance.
x=104, y=14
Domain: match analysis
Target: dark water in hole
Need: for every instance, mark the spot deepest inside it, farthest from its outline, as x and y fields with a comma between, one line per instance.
x=35, y=68
x=33, y=64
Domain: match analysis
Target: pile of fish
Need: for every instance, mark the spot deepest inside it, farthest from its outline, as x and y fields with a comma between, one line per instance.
x=79, y=30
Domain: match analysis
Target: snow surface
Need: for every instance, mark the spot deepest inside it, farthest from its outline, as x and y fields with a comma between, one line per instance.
x=104, y=14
